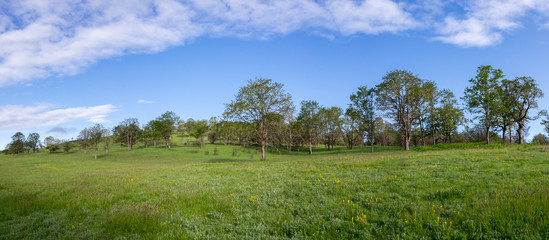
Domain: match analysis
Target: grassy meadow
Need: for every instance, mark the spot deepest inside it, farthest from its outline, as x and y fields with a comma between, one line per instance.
x=225, y=192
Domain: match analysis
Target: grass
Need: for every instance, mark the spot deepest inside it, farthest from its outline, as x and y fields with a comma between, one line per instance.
x=184, y=193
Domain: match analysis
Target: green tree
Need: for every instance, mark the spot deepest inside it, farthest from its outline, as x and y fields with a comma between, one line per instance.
x=17, y=144
x=213, y=133
x=96, y=133
x=127, y=132
x=67, y=146
x=401, y=96
x=52, y=144
x=309, y=116
x=84, y=139
x=364, y=103
x=199, y=130
x=351, y=127
x=482, y=97
x=330, y=119
x=449, y=116
x=523, y=96
x=254, y=102
x=164, y=126
x=33, y=141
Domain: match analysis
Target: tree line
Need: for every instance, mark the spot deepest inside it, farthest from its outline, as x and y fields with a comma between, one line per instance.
x=403, y=109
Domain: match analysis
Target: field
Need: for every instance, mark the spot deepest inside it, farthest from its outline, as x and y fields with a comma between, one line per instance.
x=189, y=192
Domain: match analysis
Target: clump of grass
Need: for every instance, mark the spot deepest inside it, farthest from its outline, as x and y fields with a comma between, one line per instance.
x=206, y=152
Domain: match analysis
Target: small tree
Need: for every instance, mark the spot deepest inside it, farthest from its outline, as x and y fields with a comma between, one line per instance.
x=199, y=129
x=17, y=144
x=127, y=132
x=96, y=133
x=84, y=139
x=67, y=146
x=52, y=144
x=254, y=102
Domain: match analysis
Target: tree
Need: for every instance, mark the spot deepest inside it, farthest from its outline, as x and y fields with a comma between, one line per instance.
x=199, y=129
x=482, y=96
x=127, y=132
x=17, y=144
x=309, y=116
x=164, y=126
x=400, y=94
x=213, y=134
x=107, y=137
x=448, y=115
x=351, y=127
x=96, y=134
x=52, y=144
x=364, y=103
x=33, y=141
x=330, y=120
x=84, y=139
x=540, y=139
x=67, y=146
x=255, y=101
x=523, y=93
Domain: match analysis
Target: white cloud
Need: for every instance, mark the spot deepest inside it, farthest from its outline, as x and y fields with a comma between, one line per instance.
x=16, y=117
x=144, y=101
x=55, y=37
x=486, y=20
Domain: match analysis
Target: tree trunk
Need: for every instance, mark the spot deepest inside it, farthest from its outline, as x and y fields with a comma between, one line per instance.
x=520, y=129
x=262, y=150
x=372, y=144
x=310, y=146
x=503, y=135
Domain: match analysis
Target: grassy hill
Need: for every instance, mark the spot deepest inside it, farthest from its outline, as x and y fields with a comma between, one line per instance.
x=189, y=192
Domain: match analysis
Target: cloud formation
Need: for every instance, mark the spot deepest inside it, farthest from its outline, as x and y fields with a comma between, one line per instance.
x=15, y=117
x=487, y=20
x=144, y=101
x=62, y=37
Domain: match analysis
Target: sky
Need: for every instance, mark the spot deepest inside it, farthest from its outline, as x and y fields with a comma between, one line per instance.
x=68, y=64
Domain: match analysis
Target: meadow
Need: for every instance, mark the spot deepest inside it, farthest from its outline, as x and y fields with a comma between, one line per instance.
x=225, y=192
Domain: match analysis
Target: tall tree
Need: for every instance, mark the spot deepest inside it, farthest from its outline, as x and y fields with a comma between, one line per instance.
x=164, y=126
x=127, y=132
x=400, y=94
x=364, y=102
x=199, y=130
x=255, y=101
x=309, y=116
x=351, y=127
x=33, y=141
x=449, y=116
x=330, y=119
x=524, y=93
x=482, y=96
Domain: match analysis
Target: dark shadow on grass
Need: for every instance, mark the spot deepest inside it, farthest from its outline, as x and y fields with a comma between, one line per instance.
x=230, y=160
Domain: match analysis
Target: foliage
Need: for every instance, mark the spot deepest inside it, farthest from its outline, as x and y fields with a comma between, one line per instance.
x=52, y=144
x=364, y=102
x=255, y=102
x=482, y=96
x=17, y=144
x=127, y=132
x=67, y=146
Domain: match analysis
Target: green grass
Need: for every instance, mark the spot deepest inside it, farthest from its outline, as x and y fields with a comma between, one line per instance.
x=184, y=193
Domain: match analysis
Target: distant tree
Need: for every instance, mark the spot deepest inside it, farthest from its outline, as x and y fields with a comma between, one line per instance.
x=254, y=102
x=352, y=134
x=330, y=121
x=199, y=130
x=164, y=126
x=127, y=132
x=364, y=103
x=482, y=97
x=67, y=146
x=545, y=122
x=309, y=116
x=52, y=144
x=181, y=130
x=449, y=116
x=213, y=133
x=96, y=134
x=33, y=141
x=540, y=139
x=17, y=144
x=401, y=96
x=107, y=137
x=524, y=94
x=84, y=139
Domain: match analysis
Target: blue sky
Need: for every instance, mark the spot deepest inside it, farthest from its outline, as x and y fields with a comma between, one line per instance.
x=65, y=65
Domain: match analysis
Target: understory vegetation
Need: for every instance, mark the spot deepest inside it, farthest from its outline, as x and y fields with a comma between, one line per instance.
x=224, y=192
